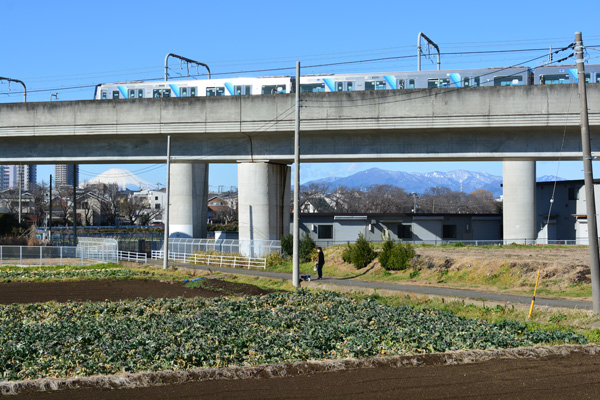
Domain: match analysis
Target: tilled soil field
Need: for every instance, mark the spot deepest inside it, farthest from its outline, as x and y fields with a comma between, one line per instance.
x=573, y=376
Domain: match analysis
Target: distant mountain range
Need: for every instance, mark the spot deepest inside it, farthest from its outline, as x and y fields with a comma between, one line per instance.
x=458, y=180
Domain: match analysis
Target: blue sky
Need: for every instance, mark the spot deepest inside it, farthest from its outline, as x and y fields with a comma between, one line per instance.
x=67, y=47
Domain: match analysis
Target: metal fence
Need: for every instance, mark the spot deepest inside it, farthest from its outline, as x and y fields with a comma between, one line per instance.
x=214, y=260
x=247, y=248
x=499, y=242
x=40, y=255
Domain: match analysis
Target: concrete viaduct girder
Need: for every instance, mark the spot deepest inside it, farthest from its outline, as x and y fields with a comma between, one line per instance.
x=495, y=123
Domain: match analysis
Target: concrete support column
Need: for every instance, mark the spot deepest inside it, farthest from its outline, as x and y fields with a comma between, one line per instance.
x=263, y=200
x=519, y=222
x=189, y=197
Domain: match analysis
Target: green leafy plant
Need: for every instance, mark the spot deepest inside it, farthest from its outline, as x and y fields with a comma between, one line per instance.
x=306, y=247
x=396, y=256
x=360, y=254
x=287, y=244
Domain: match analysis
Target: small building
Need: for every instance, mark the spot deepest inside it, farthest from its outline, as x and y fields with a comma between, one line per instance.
x=329, y=229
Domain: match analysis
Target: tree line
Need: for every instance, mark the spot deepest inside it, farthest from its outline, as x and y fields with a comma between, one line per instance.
x=385, y=199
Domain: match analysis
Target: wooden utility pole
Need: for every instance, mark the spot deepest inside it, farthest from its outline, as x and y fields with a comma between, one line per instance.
x=588, y=176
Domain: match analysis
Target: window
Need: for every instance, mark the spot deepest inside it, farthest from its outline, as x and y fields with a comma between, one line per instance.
x=240, y=90
x=85, y=205
x=573, y=194
x=375, y=85
x=188, y=92
x=325, y=231
x=404, y=231
x=554, y=79
x=215, y=91
x=104, y=94
x=597, y=77
x=508, y=80
x=157, y=206
x=400, y=83
x=438, y=83
x=449, y=232
x=156, y=93
x=135, y=93
x=115, y=94
x=344, y=86
x=312, y=88
x=155, y=197
x=273, y=89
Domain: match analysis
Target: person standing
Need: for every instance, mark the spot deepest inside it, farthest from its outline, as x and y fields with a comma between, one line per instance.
x=320, y=262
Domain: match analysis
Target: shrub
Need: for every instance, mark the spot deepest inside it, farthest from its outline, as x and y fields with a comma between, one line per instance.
x=361, y=253
x=396, y=256
x=275, y=258
x=306, y=247
x=287, y=244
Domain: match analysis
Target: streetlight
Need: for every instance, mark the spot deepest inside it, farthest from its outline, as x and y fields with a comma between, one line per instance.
x=414, y=195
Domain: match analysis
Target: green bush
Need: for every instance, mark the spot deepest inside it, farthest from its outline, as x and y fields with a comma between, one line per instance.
x=360, y=254
x=287, y=244
x=396, y=256
x=306, y=247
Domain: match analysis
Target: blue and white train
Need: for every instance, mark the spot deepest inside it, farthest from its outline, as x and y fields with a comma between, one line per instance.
x=509, y=76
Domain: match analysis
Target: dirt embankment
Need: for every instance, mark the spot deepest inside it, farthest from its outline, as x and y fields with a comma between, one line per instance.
x=494, y=268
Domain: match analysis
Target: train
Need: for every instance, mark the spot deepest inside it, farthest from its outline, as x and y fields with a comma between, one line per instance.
x=407, y=80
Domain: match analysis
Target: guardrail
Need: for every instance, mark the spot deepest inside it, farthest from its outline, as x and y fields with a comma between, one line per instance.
x=132, y=256
x=214, y=260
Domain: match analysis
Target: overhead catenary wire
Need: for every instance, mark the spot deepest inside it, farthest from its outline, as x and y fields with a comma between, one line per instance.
x=285, y=68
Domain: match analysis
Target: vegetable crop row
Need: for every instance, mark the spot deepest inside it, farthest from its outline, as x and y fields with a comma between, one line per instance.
x=82, y=339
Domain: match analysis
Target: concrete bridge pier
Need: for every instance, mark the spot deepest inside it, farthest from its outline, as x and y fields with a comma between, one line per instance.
x=189, y=197
x=264, y=200
x=519, y=222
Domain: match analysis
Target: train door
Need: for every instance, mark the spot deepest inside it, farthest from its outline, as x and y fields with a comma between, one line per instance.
x=470, y=81
x=344, y=86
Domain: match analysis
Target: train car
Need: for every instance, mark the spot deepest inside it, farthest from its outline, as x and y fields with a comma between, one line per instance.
x=565, y=74
x=193, y=88
x=509, y=76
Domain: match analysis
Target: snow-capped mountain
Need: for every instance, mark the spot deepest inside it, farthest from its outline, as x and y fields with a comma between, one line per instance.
x=458, y=180
x=123, y=178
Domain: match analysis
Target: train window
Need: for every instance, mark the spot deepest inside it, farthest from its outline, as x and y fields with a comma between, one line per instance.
x=375, y=85
x=597, y=77
x=438, y=83
x=273, y=89
x=561, y=79
x=411, y=83
x=215, y=91
x=344, y=86
x=312, y=88
x=400, y=83
x=104, y=94
x=474, y=82
x=115, y=94
x=242, y=89
x=508, y=80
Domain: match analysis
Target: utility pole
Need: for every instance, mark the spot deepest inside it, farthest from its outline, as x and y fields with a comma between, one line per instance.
x=296, y=233
x=166, y=216
x=74, y=208
x=50, y=212
x=588, y=176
